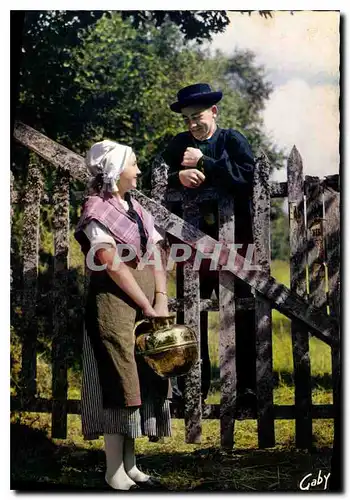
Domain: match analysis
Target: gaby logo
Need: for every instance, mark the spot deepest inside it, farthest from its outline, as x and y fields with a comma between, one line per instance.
x=309, y=482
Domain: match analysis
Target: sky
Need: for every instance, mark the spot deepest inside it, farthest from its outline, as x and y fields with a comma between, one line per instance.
x=300, y=53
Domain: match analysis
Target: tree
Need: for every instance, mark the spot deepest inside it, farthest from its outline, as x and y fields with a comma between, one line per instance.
x=88, y=76
x=48, y=37
x=279, y=232
x=245, y=95
x=124, y=93
x=196, y=25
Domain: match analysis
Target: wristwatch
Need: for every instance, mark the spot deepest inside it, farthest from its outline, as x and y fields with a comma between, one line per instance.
x=200, y=164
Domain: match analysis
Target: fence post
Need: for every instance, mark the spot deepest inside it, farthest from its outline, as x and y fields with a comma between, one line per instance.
x=263, y=319
x=332, y=230
x=332, y=234
x=316, y=246
x=30, y=249
x=227, y=339
x=60, y=306
x=159, y=179
x=193, y=400
x=13, y=193
x=300, y=336
x=13, y=200
x=159, y=183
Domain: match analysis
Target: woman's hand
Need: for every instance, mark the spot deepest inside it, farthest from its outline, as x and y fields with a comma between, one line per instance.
x=150, y=312
x=161, y=310
x=123, y=277
x=161, y=305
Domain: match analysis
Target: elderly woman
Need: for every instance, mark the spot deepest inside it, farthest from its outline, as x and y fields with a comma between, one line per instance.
x=122, y=398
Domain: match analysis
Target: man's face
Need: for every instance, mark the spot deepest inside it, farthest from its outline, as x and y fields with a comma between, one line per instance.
x=200, y=121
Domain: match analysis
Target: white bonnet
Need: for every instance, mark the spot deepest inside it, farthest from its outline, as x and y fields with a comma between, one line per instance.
x=109, y=159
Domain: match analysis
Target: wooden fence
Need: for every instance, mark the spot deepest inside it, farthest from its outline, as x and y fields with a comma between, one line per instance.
x=313, y=309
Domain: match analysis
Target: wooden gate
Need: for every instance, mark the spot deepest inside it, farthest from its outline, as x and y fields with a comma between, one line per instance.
x=312, y=302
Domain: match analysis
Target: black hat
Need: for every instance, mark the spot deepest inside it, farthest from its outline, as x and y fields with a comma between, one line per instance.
x=199, y=93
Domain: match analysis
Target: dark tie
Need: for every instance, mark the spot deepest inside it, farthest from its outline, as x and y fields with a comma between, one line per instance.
x=135, y=216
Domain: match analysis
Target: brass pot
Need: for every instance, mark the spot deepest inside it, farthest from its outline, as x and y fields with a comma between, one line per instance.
x=169, y=349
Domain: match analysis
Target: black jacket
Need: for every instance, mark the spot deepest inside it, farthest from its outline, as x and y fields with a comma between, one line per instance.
x=228, y=165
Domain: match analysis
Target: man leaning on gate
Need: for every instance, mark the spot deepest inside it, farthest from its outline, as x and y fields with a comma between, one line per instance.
x=206, y=155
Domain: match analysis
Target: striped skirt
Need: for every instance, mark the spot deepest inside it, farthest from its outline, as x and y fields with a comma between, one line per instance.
x=151, y=419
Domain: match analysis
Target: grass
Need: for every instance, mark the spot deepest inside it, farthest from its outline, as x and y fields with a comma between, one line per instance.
x=73, y=463
x=37, y=460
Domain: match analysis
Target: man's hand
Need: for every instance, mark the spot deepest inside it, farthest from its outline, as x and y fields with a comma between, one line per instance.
x=191, y=177
x=191, y=157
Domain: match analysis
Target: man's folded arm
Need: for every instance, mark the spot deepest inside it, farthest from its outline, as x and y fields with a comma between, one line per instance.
x=236, y=164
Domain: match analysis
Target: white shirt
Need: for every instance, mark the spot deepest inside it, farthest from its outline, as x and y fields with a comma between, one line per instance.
x=97, y=233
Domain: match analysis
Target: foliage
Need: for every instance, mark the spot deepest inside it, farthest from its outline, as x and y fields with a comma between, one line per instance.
x=123, y=93
x=196, y=25
x=47, y=90
x=199, y=25
x=46, y=93
x=88, y=75
x=279, y=232
x=15, y=360
x=92, y=75
x=245, y=93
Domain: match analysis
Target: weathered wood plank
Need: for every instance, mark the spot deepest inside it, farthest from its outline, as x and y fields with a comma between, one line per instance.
x=51, y=151
x=180, y=293
x=278, y=189
x=263, y=318
x=332, y=181
x=13, y=191
x=159, y=185
x=241, y=303
x=286, y=412
x=199, y=195
x=281, y=412
x=332, y=235
x=30, y=250
x=315, y=242
x=193, y=403
x=13, y=200
x=60, y=306
x=227, y=332
x=298, y=261
x=178, y=304
x=288, y=303
x=159, y=180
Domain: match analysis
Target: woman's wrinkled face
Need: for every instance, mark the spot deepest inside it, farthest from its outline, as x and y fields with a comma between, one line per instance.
x=200, y=121
x=128, y=178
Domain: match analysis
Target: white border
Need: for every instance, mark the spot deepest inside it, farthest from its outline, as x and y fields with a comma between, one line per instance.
x=4, y=185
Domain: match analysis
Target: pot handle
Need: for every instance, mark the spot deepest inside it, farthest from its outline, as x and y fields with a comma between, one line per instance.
x=140, y=322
